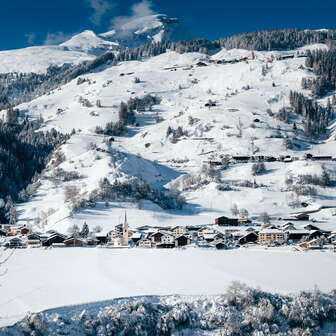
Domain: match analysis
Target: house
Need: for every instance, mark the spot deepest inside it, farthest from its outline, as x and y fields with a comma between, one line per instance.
x=101, y=237
x=16, y=243
x=55, y=238
x=250, y=237
x=181, y=241
x=210, y=237
x=312, y=244
x=135, y=237
x=34, y=236
x=167, y=241
x=156, y=237
x=288, y=226
x=226, y=221
x=201, y=64
x=220, y=245
x=244, y=221
x=145, y=243
x=301, y=217
x=297, y=234
x=322, y=158
x=34, y=242
x=24, y=230
x=74, y=242
x=311, y=227
x=3, y=233
x=179, y=230
x=271, y=235
x=241, y=159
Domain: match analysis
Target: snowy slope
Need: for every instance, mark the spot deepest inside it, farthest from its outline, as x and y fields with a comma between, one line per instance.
x=38, y=59
x=152, y=157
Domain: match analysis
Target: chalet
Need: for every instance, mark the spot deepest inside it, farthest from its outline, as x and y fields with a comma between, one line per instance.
x=135, y=237
x=250, y=237
x=311, y=227
x=34, y=242
x=288, y=226
x=241, y=159
x=210, y=237
x=210, y=103
x=179, y=230
x=101, y=237
x=74, y=242
x=220, y=245
x=34, y=236
x=300, y=217
x=226, y=221
x=24, y=230
x=167, y=241
x=205, y=230
x=271, y=235
x=244, y=221
x=6, y=227
x=156, y=237
x=181, y=241
x=312, y=244
x=54, y=239
x=16, y=243
x=201, y=64
x=315, y=234
x=284, y=57
x=322, y=158
x=296, y=235
x=91, y=242
x=145, y=243
x=3, y=233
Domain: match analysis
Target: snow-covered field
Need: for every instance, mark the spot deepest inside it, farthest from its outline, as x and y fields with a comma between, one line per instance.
x=39, y=279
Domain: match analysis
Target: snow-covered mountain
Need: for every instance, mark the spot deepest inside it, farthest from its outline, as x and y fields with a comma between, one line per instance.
x=148, y=29
x=87, y=44
x=242, y=122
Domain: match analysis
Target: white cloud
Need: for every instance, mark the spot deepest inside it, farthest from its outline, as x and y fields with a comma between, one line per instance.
x=31, y=38
x=56, y=38
x=128, y=24
x=100, y=8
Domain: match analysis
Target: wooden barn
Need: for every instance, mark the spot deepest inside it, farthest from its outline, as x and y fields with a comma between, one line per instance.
x=226, y=221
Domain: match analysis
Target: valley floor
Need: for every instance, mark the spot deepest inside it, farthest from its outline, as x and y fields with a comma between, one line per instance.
x=39, y=279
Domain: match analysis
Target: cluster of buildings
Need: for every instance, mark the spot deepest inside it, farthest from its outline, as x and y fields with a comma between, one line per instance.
x=264, y=158
x=223, y=234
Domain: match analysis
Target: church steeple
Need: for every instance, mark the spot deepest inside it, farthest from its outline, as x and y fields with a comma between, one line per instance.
x=125, y=231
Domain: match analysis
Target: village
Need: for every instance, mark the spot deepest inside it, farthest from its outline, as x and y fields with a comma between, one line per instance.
x=297, y=232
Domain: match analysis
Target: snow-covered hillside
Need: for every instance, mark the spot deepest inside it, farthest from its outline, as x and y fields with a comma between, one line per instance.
x=38, y=59
x=242, y=123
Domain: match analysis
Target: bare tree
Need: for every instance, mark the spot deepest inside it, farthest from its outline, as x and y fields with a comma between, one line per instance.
x=264, y=218
x=234, y=210
x=240, y=128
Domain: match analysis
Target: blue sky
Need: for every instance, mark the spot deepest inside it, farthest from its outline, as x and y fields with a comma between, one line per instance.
x=34, y=22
